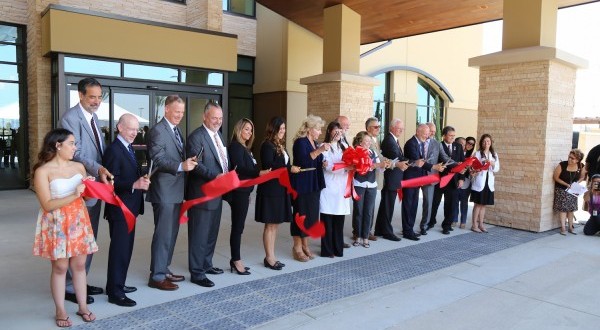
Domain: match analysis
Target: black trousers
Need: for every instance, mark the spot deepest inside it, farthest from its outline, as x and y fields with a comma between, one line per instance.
x=383, y=225
x=450, y=197
x=592, y=226
x=332, y=244
x=437, y=200
x=119, y=256
x=239, y=209
x=410, y=202
x=308, y=205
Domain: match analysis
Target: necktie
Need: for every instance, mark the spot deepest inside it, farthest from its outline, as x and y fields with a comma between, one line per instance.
x=221, y=153
x=131, y=152
x=449, y=150
x=96, y=135
x=422, y=149
x=425, y=148
x=177, y=136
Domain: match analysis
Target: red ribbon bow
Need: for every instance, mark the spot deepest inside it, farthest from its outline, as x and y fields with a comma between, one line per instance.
x=359, y=159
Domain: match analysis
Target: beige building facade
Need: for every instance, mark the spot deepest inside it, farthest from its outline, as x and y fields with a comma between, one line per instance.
x=260, y=64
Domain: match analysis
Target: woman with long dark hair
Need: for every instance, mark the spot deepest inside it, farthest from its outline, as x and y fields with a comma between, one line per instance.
x=333, y=206
x=482, y=186
x=63, y=232
x=273, y=203
x=565, y=174
x=242, y=161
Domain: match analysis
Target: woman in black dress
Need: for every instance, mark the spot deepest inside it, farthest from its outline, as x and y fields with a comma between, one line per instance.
x=273, y=203
x=565, y=174
x=469, y=146
x=242, y=160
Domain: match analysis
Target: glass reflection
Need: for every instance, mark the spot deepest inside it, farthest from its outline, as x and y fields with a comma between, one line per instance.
x=150, y=72
x=9, y=72
x=201, y=77
x=95, y=67
x=8, y=53
x=139, y=106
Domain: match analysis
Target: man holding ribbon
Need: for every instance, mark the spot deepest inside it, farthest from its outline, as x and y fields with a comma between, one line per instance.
x=83, y=122
x=167, y=154
x=204, y=219
x=414, y=150
x=129, y=185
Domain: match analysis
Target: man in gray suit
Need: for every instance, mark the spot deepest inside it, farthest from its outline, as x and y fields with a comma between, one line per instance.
x=204, y=219
x=433, y=155
x=83, y=122
x=167, y=152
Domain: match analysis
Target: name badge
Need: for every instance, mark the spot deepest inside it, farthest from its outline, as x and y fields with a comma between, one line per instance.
x=595, y=213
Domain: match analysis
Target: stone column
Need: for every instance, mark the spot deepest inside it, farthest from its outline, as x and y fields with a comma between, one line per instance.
x=341, y=90
x=526, y=100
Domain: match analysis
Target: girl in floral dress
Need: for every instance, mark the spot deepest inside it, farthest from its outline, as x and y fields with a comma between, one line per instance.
x=63, y=232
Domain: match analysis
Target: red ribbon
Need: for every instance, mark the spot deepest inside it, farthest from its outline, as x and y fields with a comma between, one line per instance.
x=230, y=181
x=316, y=231
x=418, y=182
x=106, y=192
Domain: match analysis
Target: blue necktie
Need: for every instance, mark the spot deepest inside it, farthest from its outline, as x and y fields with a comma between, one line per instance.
x=131, y=153
x=422, y=149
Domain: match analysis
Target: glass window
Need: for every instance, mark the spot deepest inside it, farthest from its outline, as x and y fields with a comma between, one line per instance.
x=200, y=77
x=241, y=77
x=93, y=67
x=8, y=53
x=149, y=72
x=9, y=72
x=10, y=34
x=430, y=106
x=241, y=95
x=242, y=7
x=14, y=142
x=381, y=101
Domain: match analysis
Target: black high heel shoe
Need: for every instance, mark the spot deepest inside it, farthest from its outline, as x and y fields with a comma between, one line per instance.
x=232, y=267
x=276, y=266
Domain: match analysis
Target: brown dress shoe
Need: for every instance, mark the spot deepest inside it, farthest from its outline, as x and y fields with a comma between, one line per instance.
x=372, y=237
x=174, y=278
x=163, y=285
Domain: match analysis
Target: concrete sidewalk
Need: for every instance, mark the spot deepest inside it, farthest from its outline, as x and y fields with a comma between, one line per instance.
x=549, y=282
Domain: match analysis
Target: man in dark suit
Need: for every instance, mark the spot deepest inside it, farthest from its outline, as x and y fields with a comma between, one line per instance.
x=129, y=183
x=204, y=219
x=450, y=191
x=83, y=122
x=167, y=153
x=433, y=154
x=414, y=150
x=390, y=149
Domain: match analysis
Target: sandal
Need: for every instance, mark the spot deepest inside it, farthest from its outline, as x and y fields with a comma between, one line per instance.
x=355, y=243
x=300, y=256
x=366, y=245
x=475, y=229
x=86, y=317
x=67, y=323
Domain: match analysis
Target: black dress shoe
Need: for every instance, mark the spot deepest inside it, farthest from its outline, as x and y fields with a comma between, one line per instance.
x=423, y=232
x=412, y=237
x=451, y=229
x=72, y=298
x=392, y=237
x=123, y=301
x=347, y=246
x=214, y=271
x=205, y=282
x=418, y=235
x=430, y=226
x=129, y=289
x=94, y=290
x=446, y=231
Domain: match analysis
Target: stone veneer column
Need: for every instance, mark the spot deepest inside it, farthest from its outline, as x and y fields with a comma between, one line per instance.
x=526, y=99
x=333, y=94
